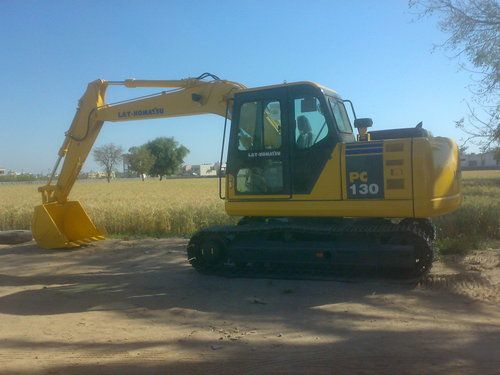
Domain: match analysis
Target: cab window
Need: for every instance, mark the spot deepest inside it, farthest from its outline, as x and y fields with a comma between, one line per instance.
x=310, y=122
x=264, y=179
x=260, y=126
x=340, y=115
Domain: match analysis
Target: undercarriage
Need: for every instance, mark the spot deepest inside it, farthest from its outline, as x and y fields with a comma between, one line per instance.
x=315, y=248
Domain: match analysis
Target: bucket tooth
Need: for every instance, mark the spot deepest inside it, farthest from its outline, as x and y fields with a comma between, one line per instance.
x=83, y=242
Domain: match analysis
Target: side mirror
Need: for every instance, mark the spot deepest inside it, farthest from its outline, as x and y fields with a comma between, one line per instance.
x=363, y=123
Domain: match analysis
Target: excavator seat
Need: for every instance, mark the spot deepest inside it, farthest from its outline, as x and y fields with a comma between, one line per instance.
x=63, y=225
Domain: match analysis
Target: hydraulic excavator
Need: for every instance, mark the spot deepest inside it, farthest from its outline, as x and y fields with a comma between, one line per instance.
x=310, y=193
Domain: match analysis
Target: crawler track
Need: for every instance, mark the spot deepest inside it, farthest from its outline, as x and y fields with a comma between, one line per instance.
x=314, y=249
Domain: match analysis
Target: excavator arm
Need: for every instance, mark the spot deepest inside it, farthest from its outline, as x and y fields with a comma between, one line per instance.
x=59, y=223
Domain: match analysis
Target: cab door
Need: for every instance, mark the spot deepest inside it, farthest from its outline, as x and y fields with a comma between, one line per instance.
x=313, y=139
x=258, y=157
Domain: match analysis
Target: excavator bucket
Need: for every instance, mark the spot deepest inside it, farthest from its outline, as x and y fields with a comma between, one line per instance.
x=63, y=225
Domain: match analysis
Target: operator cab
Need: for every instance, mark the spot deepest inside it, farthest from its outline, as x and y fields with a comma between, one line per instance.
x=282, y=137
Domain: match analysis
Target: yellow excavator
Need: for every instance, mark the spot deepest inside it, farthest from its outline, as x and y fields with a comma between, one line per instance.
x=310, y=193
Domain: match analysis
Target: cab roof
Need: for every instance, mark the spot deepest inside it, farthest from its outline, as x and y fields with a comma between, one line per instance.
x=324, y=89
